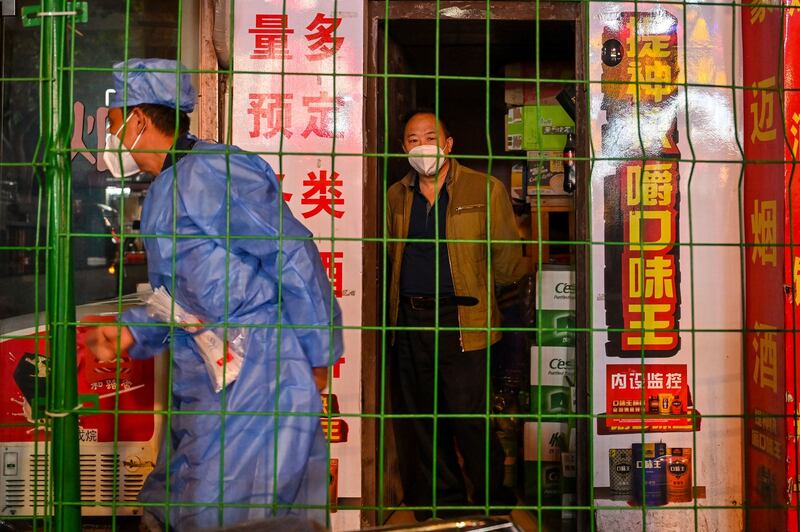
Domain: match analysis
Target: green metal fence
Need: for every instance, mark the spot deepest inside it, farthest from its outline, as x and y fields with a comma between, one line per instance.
x=429, y=49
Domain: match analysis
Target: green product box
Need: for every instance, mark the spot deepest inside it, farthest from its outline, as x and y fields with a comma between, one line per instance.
x=552, y=369
x=554, y=377
x=555, y=399
x=557, y=290
x=558, y=328
x=533, y=127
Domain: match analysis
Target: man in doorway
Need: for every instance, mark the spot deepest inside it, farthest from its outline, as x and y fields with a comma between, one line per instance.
x=226, y=248
x=460, y=229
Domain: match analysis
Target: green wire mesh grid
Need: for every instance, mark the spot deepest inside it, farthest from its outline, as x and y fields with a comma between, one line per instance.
x=405, y=46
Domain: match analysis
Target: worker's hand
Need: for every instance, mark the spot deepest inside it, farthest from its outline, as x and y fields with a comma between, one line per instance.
x=321, y=377
x=102, y=341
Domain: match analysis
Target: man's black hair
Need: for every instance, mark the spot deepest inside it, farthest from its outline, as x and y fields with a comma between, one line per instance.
x=426, y=111
x=164, y=118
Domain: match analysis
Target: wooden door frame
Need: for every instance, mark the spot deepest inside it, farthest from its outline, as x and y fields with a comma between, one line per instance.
x=467, y=10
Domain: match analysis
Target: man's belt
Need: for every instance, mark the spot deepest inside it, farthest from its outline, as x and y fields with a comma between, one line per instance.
x=429, y=302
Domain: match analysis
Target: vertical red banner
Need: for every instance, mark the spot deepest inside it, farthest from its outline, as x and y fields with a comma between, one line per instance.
x=642, y=200
x=769, y=371
x=791, y=84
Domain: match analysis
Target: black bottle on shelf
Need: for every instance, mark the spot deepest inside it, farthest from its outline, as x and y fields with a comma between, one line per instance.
x=570, y=179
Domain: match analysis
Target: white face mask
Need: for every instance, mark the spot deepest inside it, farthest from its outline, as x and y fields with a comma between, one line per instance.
x=127, y=166
x=427, y=159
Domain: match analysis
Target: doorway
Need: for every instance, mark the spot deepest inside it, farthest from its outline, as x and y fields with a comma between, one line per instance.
x=456, y=63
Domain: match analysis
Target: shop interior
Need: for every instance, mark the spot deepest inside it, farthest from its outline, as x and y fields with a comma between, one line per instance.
x=476, y=108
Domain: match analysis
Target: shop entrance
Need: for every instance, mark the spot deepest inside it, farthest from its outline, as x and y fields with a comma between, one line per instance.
x=458, y=66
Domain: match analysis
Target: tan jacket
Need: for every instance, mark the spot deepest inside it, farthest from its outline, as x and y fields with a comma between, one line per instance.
x=468, y=192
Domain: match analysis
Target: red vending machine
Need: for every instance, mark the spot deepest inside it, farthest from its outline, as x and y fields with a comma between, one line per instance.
x=117, y=451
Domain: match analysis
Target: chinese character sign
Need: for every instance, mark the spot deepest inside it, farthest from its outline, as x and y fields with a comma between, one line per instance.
x=642, y=204
x=652, y=401
x=765, y=349
x=300, y=105
x=302, y=108
x=766, y=137
x=762, y=110
x=648, y=70
x=650, y=257
x=92, y=125
x=270, y=33
x=764, y=231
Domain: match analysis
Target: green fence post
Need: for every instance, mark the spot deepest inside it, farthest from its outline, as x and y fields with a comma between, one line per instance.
x=55, y=117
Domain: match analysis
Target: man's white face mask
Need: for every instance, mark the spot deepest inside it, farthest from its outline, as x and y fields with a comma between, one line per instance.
x=120, y=164
x=427, y=159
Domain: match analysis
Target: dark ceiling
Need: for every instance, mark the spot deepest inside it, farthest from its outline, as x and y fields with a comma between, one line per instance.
x=462, y=44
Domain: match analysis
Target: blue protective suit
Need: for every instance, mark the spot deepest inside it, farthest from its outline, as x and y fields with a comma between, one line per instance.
x=266, y=459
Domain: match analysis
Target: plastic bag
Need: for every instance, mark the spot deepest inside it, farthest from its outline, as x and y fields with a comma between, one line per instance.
x=219, y=358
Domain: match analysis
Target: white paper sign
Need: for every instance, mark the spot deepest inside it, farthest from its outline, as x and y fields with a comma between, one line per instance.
x=299, y=101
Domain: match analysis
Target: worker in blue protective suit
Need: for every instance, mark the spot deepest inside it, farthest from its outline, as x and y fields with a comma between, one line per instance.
x=267, y=456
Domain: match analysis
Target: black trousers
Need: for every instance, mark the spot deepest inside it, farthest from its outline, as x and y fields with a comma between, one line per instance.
x=462, y=381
